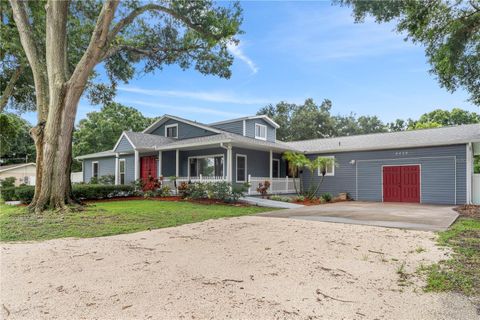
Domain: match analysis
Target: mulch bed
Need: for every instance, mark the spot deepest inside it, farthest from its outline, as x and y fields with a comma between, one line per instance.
x=172, y=199
x=469, y=211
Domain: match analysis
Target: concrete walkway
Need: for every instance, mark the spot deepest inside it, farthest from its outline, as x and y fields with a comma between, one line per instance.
x=270, y=203
x=394, y=215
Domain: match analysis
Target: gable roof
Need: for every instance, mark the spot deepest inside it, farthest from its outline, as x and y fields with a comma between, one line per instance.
x=262, y=116
x=165, y=117
x=392, y=140
x=100, y=154
x=16, y=166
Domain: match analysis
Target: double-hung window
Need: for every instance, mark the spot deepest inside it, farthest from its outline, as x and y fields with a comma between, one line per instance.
x=121, y=171
x=330, y=168
x=241, y=168
x=95, y=169
x=260, y=131
x=207, y=166
x=171, y=131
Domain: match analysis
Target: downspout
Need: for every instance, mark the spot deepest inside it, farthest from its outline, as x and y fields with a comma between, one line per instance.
x=469, y=172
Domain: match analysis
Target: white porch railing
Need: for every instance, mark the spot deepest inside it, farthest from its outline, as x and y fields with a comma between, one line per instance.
x=277, y=185
x=199, y=178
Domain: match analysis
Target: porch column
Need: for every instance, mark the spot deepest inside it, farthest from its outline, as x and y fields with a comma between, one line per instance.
x=469, y=172
x=160, y=155
x=230, y=164
x=271, y=165
x=137, y=165
x=177, y=163
x=116, y=168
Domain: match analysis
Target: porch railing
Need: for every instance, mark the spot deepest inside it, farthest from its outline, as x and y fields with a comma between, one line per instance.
x=277, y=185
x=199, y=178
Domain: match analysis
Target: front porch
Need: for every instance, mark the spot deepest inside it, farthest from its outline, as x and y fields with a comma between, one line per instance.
x=235, y=164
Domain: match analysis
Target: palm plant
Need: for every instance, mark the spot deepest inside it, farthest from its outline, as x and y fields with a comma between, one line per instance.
x=296, y=162
x=321, y=164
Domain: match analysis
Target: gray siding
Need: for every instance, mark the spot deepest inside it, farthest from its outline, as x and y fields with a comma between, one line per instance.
x=106, y=166
x=129, y=168
x=124, y=145
x=258, y=163
x=185, y=131
x=443, y=173
x=234, y=127
x=250, y=129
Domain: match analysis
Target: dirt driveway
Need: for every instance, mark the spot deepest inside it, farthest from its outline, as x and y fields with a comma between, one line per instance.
x=386, y=214
x=238, y=268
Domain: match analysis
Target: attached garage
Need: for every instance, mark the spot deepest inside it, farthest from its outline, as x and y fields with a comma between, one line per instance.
x=432, y=166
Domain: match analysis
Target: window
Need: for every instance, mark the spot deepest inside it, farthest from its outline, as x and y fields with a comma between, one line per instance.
x=330, y=169
x=121, y=170
x=95, y=169
x=260, y=131
x=171, y=131
x=241, y=168
x=276, y=168
x=207, y=166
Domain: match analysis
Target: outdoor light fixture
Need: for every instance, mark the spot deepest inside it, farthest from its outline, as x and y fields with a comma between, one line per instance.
x=352, y=162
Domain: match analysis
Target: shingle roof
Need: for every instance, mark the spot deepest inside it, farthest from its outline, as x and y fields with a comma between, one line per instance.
x=14, y=166
x=100, y=154
x=227, y=137
x=165, y=117
x=262, y=116
x=392, y=140
x=147, y=141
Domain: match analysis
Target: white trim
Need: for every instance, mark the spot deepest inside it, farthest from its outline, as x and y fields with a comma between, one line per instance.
x=171, y=126
x=160, y=159
x=469, y=172
x=278, y=167
x=167, y=116
x=177, y=163
x=229, y=163
x=270, y=166
x=124, y=171
x=404, y=165
x=260, y=137
x=124, y=134
x=236, y=167
x=244, y=127
x=137, y=165
x=206, y=156
x=332, y=174
x=116, y=169
x=98, y=169
x=262, y=116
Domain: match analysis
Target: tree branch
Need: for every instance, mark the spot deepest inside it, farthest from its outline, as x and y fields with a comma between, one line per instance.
x=147, y=52
x=9, y=88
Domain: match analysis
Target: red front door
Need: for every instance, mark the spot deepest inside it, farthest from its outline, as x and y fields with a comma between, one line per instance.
x=401, y=184
x=148, y=168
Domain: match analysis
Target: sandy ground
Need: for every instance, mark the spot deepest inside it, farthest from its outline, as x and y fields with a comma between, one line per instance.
x=238, y=268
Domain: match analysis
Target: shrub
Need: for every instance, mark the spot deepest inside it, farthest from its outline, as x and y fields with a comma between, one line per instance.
x=90, y=192
x=280, y=198
x=25, y=194
x=8, y=182
x=198, y=190
x=300, y=198
x=222, y=191
x=107, y=179
x=8, y=193
x=327, y=197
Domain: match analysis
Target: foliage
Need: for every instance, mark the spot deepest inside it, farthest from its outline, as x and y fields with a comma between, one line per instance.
x=15, y=141
x=110, y=218
x=327, y=197
x=80, y=192
x=107, y=179
x=8, y=193
x=476, y=164
x=100, y=130
x=280, y=198
x=151, y=184
x=7, y=182
x=222, y=191
x=263, y=187
x=300, y=198
x=296, y=162
x=461, y=273
x=449, y=31
x=440, y=118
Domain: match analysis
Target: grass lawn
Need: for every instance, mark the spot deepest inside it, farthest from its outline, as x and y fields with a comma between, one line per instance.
x=462, y=272
x=109, y=218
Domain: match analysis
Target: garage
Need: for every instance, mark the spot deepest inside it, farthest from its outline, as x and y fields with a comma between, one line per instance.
x=401, y=183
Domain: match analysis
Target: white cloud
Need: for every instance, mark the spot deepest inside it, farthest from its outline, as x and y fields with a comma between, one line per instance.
x=221, y=97
x=184, y=109
x=237, y=52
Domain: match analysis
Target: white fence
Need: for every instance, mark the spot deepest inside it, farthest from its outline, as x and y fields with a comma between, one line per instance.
x=476, y=188
x=277, y=185
x=76, y=177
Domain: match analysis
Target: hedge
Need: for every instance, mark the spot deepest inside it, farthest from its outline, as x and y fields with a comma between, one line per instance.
x=80, y=192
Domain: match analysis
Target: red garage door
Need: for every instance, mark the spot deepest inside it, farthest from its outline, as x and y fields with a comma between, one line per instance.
x=401, y=184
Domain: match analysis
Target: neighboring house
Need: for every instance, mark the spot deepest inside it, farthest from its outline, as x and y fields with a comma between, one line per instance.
x=427, y=166
x=23, y=173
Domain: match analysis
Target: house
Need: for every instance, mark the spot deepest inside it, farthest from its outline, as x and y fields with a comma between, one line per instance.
x=425, y=166
x=22, y=172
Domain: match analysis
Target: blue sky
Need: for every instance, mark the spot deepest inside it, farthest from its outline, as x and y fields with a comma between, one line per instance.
x=296, y=50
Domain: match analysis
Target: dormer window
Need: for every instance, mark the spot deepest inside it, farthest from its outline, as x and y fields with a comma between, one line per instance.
x=260, y=131
x=171, y=131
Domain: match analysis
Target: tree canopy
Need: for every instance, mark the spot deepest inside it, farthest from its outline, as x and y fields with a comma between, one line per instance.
x=100, y=130
x=16, y=145
x=449, y=30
